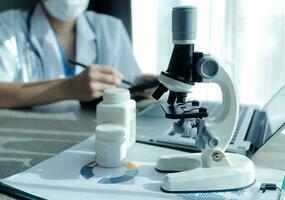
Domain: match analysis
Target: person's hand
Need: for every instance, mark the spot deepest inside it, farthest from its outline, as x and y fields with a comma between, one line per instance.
x=144, y=79
x=92, y=82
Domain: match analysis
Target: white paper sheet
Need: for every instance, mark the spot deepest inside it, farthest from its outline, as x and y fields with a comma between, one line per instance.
x=72, y=174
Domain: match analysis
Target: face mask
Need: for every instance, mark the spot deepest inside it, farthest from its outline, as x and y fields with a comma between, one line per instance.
x=66, y=10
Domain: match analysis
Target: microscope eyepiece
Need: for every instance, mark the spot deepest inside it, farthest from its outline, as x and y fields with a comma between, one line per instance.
x=184, y=24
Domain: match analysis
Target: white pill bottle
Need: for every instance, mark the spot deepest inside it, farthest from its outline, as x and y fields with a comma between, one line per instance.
x=117, y=107
x=110, y=145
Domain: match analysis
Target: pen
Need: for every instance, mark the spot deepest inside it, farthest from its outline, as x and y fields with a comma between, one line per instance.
x=85, y=66
x=14, y=192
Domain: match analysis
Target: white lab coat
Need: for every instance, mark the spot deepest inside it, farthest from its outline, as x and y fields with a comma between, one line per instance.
x=102, y=40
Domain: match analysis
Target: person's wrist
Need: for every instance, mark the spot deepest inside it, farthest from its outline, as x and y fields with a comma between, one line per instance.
x=69, y=88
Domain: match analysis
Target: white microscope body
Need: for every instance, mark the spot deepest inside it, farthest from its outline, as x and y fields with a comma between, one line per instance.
x=212, y=169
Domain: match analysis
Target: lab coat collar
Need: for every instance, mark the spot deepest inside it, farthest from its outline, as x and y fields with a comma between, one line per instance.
x=44, y=39
x=85, y=42
x=84, y=29
x=42, y=31
x=40, y=26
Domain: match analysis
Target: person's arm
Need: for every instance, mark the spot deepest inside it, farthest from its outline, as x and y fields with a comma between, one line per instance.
x=21, y=95
x=88, y=85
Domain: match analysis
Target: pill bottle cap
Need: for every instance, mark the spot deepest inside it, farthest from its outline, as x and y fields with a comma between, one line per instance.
x=110, y=132
x=116, y=96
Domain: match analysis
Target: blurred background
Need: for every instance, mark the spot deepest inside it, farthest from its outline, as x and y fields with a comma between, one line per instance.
x=248, y=37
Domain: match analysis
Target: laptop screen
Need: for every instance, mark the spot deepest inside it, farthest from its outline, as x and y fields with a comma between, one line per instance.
x=275, y=110
x=267, y=122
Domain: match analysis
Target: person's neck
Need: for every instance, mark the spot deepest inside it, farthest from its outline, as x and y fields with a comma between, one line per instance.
x=61, y=28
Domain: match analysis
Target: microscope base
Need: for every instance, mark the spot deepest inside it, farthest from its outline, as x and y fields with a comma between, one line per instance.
x=196, y=178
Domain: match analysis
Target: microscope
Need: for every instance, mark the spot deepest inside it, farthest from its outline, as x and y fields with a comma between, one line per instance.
x=212, y=169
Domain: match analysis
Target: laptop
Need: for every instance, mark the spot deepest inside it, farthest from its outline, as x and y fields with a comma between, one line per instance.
x=255, y=126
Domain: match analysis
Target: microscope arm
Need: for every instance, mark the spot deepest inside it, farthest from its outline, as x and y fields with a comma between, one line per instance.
x=224, y=123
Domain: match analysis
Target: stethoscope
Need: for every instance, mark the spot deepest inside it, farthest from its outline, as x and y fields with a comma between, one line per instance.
x=30, y=44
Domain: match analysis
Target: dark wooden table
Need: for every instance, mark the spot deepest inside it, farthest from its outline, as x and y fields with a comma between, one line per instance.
x=29, y=136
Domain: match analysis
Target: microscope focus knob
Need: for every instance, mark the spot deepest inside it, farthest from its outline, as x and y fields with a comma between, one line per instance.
x=207, y=67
